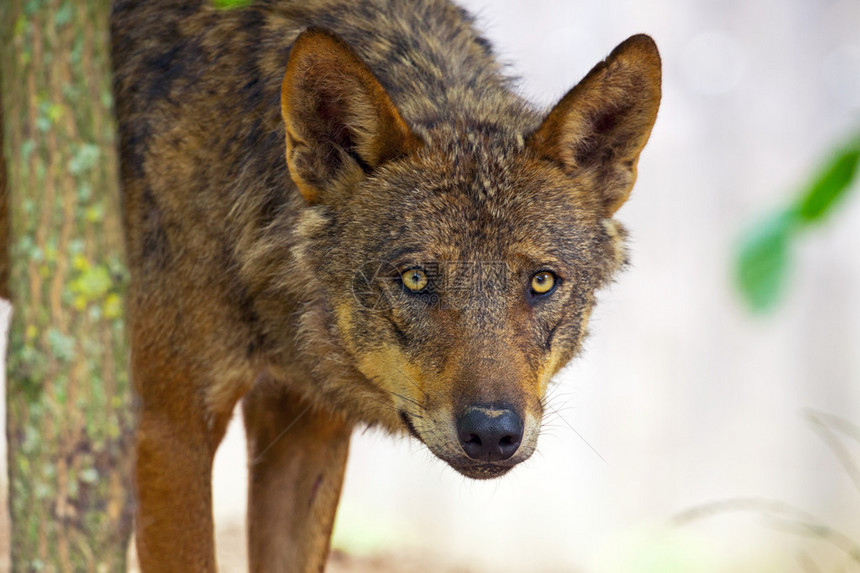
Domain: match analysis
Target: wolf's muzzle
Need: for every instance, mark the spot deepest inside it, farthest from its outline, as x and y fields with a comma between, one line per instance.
x=490, y=434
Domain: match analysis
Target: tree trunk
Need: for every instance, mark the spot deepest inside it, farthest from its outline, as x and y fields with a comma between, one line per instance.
x=68, y=398
x=4, y=215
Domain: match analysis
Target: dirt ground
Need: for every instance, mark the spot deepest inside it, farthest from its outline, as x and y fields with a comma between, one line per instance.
x=232, y=558
x=342, y=563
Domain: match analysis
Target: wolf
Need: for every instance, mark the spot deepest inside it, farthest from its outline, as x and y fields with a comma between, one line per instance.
x=342, y=213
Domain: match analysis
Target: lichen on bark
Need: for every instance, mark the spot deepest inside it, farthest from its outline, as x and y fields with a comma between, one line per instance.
x=68, y=397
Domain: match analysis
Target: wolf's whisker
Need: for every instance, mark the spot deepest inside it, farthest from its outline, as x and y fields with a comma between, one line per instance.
x=581, y=437
x=259, y=457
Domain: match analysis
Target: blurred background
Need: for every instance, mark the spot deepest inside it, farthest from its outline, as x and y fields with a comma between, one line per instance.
x=683, y=396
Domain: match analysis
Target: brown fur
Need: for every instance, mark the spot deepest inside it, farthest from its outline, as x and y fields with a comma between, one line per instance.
x=276, y=183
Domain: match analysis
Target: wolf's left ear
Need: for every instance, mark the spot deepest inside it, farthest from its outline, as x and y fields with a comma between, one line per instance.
x=599, y=128
x=340, y=122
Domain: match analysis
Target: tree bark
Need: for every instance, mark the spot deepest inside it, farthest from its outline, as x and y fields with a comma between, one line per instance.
x=69, y=407
x=4, y=214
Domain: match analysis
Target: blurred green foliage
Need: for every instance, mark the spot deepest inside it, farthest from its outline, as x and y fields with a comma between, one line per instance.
x=227, y=4
x=764, y=256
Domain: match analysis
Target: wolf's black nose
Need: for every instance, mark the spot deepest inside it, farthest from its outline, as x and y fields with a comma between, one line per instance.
x=490, y=434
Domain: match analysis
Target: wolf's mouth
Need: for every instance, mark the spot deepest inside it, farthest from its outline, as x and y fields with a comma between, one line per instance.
x=483, y=471
x=474, y=471
x=407, y=421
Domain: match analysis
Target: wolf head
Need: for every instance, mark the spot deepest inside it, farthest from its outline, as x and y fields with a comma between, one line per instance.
x=459, y=260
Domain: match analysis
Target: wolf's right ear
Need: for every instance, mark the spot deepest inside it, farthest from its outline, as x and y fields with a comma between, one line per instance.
x=599, y=128
x=340, y=122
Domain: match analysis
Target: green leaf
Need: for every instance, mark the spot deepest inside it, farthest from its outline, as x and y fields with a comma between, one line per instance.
x=763, y=261
x=831, y=183
x=230, y=4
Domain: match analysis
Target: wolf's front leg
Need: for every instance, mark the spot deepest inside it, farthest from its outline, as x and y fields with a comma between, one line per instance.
x=176, y=443
x=296, y=460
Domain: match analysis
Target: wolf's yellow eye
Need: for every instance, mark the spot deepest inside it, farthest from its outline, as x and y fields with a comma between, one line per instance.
x=414, y=279
x=543, y=282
